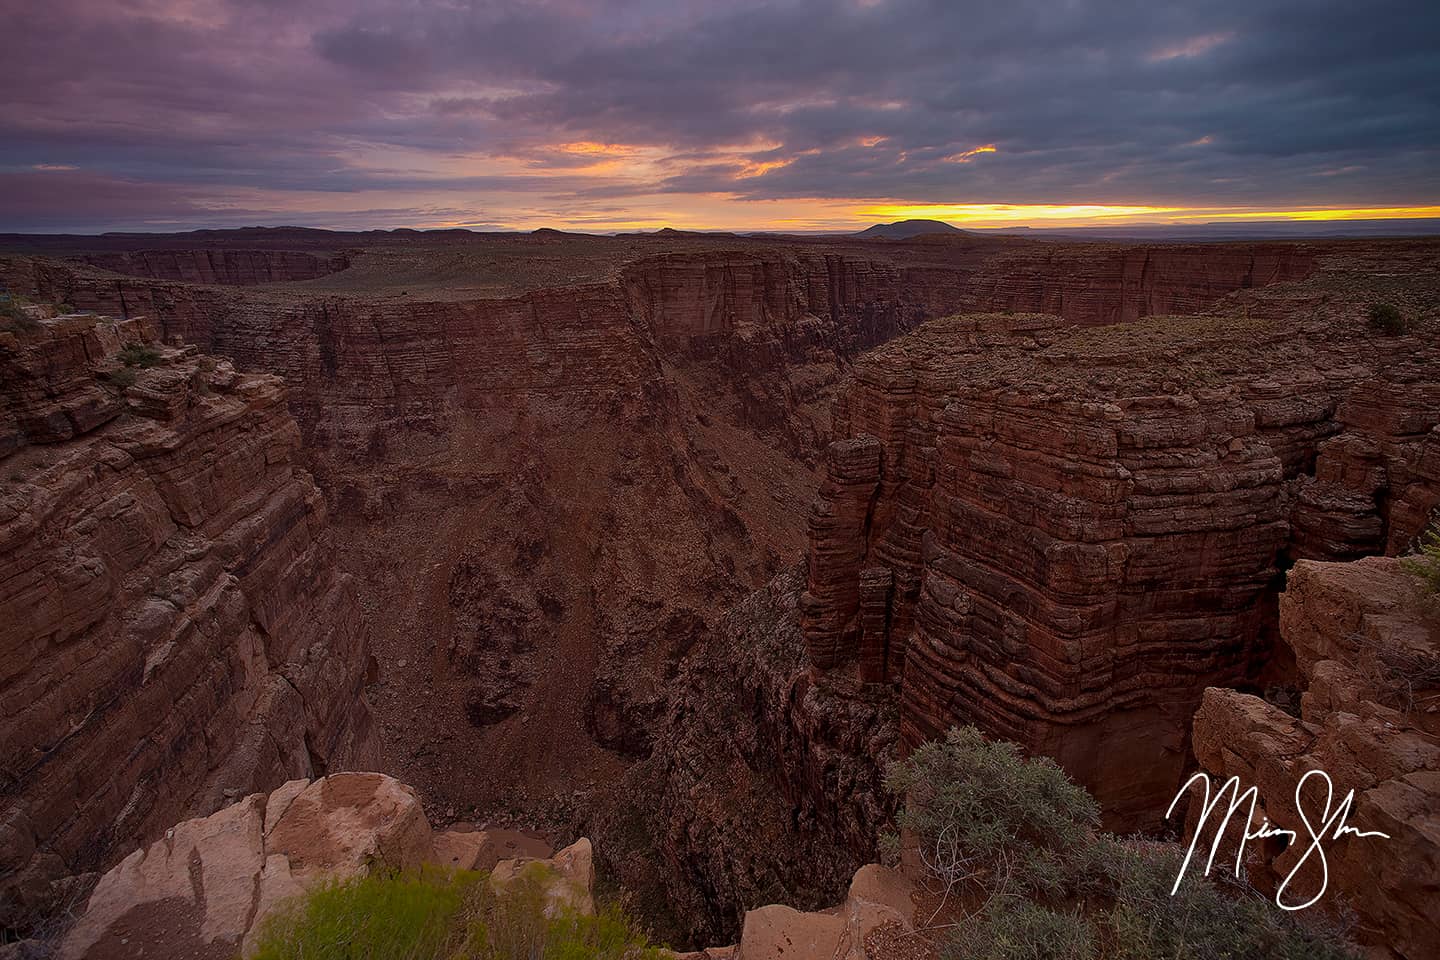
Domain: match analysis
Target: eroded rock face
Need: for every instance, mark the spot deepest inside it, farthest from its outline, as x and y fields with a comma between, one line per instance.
x=223, y=266
x=765, y=784
x=173, y=632
x=581, y=472
x=1366, y=646
x=1064, y=536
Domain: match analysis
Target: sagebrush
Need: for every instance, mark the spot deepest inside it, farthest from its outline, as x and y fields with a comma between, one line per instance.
x=1425, y=563
x=1011, y=850
x=1387, y=318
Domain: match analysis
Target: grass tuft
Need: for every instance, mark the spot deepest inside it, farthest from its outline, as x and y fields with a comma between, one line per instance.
x=437, y=915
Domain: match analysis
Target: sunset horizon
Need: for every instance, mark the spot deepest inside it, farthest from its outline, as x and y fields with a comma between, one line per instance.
x=163, y=115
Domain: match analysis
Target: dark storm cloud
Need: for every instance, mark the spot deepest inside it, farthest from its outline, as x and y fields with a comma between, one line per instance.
x=1219, y=103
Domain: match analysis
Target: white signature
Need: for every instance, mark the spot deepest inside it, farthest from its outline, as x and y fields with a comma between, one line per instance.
x=1331, y=826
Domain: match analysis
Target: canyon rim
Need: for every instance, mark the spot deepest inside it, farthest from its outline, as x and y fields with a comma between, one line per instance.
x=785, y=480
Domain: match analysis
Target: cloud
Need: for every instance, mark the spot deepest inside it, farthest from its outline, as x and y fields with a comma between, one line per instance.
x=182, y=109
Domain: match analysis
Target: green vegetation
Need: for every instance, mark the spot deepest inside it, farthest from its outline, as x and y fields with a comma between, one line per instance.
x=1386, y=318
x=139, y=355
x=1425, y=564
x=13, y=316
x=436, y=915
x=401, y=916
x=1010, y=849
x=123, y=377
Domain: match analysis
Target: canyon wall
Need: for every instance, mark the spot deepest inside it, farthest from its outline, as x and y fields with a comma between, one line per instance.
x=223, y=266
x=765, y=781
x=1116, y=283
x=173, y=632
x=1064, y=537
x=1366, y=643
x=549, y=498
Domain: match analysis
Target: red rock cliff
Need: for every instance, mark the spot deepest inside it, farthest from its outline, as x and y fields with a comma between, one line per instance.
x=1065, y=536
x=223, y=266
x=172, y=630
x=1367, y=647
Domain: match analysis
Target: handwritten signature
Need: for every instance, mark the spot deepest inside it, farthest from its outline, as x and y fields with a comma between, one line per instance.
x=1331, y=826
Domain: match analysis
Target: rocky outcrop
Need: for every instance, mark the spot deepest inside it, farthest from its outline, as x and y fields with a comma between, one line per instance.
x=229, y=267
x=1367, y=649
x=878, y=908
x=1064, y=536
x=765, y=784
x=207, y=889
x=173, y=632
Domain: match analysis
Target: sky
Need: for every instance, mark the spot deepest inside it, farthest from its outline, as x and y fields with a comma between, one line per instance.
x=607, y=115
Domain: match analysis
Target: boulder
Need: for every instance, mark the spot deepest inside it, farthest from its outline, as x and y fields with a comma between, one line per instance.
x=206, y=888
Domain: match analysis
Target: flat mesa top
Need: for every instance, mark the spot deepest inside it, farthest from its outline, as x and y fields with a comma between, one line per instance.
x=462, y=265
x=459, y=265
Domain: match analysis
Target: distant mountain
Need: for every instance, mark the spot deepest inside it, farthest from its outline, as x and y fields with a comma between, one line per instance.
x=905, y=229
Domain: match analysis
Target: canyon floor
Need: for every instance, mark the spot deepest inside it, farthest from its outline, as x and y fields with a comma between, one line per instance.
x=582, y=501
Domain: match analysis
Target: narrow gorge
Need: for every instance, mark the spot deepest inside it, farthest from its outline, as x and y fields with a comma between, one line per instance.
x=678, y=555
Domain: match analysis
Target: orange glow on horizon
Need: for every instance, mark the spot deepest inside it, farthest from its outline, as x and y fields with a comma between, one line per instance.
x=992, y=214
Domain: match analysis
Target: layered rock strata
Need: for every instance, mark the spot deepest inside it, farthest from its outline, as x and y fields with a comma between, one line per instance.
x=1065, y=536
x=1366, y=644
x=223, y=266
x=173, y=631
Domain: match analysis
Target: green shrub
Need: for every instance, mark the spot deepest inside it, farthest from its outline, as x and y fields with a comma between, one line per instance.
x=978, y=809
x=139, y=355
x=433, y=915
x=123, y=377
x=1386, y=318
x=396, y=917
x=1205, y=919
x=1017, y=840
x=1021, y=930
x=1425, y=564
x=14, y=318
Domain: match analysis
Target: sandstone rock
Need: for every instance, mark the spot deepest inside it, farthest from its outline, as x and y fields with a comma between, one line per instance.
x=776, y=932
x=396, y=389
x=878, y=896
x=461, y=850
x=341, y=823
x=570, y=877
x=207, y=888
x=1067, y=559
x=1364, y=644
x=173, y=631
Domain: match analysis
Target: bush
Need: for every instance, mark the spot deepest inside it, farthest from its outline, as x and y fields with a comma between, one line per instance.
x=123, y=377
x=14, y=318
x=1425, y=564
x=139, y=355
x=433, y=915
x=1386, y=318
x=397, y=917
x=979, y=809
x=1017, y=839
x=1020, y=930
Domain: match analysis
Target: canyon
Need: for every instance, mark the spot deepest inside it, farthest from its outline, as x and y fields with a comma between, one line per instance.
x=673, y=539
